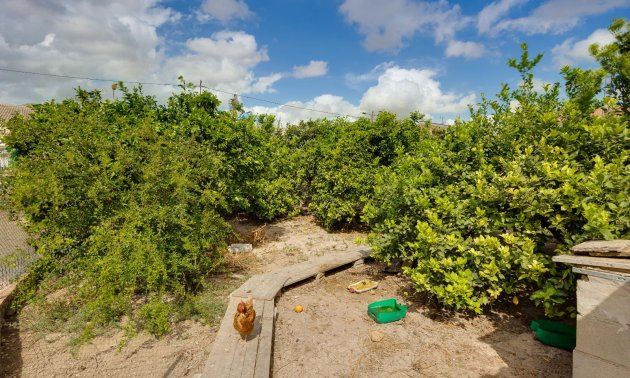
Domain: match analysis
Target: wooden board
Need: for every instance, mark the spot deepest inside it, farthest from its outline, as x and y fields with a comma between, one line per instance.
x=220, y=360
x=263, y=359
x=300, y=272
x=609, y=263
x=251, y=351
x=233, y=357
x=230, y=357
x=610, y=248
x=263, y=286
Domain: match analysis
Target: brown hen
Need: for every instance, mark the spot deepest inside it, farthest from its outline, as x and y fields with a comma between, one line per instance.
x=244, y=317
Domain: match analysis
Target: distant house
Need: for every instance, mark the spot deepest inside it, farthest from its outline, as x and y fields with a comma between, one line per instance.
x=434, y=127
x=6, y=113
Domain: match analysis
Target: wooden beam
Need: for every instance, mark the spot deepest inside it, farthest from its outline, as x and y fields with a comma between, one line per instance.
x=263, y=360
x=601, y=262
x=230, y=357
x=610, y=248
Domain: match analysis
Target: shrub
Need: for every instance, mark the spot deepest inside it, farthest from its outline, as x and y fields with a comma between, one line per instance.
x=127, y=199
x=477, y=216
x=337, y=162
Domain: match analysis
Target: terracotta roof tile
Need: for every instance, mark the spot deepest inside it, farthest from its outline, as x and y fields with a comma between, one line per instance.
x=8, y=111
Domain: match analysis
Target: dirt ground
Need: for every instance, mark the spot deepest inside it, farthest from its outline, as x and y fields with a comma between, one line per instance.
x=25, y=352
x=330, y=338
x=334, y=336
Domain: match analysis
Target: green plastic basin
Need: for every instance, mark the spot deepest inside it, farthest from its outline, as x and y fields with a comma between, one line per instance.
x=386, y=311
x=552, y=333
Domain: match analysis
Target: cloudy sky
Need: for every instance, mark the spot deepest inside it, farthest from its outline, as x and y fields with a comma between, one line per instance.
x=339, y=56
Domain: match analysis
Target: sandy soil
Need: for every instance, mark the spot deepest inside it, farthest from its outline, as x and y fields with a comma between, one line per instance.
x=333, y=336
x=330, y=338
x=294, y=240
x=30, y=354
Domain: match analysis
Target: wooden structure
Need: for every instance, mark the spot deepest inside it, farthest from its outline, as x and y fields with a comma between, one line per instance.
x=233, y=357
x=603, y=304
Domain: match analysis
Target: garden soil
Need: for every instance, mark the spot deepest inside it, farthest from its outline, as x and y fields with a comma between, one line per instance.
x=332, y=337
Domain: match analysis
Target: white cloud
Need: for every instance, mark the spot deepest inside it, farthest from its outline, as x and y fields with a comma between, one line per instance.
x=265, y=83
x=571, y=52
x=465, y=49
x=223, y=61
x=328, y=106
x=387, y=24
x=397, y=90
x=97, y=39
x=225, y=10
x=557, y=16
x=313, y=69
x=117, y=40
x=492, y=12
x=538, y=85
x=355, y=79
x=403, y=91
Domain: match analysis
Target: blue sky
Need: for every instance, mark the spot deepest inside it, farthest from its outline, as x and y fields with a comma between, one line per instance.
x=344, y=57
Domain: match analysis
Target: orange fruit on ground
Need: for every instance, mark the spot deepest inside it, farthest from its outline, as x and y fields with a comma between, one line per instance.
x=298, y=308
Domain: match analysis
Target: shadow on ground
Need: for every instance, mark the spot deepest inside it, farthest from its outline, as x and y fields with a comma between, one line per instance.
x=11, y=348
x=509, y=336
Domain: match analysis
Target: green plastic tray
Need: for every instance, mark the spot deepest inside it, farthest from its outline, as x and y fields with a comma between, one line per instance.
x=386, y=311
x=552, y=333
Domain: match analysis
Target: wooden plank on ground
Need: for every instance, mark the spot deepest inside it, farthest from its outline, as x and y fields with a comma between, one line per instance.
x=232, y=358
x=263, y=359
x=622, y=265
x=611, y=248
x=220, y=360
x=302, y=271
x=249, y=346
x=273, y=285
x=263, y=286
x=247, y=288
x=251, y=350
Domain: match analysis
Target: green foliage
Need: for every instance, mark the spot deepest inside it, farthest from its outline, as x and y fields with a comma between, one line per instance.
x=615, y=60
x=338, y=160
x=477, y=216
x=127, y=199
x=155, y=317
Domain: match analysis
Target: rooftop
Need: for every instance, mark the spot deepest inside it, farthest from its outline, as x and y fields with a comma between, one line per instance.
x=7, y=111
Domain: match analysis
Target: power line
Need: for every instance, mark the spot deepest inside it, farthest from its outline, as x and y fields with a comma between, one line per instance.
x=83, y=78
x=173, y=85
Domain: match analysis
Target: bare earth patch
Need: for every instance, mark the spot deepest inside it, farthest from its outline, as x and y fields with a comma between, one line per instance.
x=31, y=354
x=330, y=338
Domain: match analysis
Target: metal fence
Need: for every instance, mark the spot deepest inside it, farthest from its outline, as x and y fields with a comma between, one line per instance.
x=4, y=157
x=15, y=253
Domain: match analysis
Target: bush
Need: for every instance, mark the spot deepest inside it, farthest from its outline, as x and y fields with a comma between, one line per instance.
x=477, y=216
x=337, y=162
x=127, y=199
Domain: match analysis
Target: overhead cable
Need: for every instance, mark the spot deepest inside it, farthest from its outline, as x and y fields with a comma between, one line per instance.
x=174, y=85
